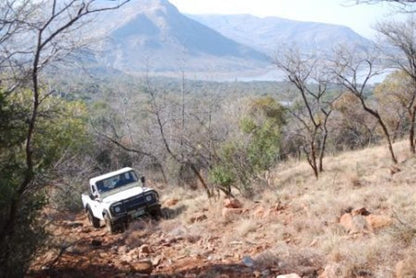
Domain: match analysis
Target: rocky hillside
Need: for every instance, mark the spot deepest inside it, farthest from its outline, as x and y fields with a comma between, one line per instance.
x=357, y=220
x=154, y=35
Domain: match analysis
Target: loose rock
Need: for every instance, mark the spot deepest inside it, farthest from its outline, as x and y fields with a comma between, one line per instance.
x=292, y=275
x=232, y=203
x=145, y=267
x=406, y=268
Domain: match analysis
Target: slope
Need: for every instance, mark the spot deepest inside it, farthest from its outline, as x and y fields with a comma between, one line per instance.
x=357, y=220
x=267, y=34
x=154, y=35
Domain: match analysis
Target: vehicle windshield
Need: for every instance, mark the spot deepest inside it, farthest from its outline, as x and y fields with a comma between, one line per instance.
x=116, y=181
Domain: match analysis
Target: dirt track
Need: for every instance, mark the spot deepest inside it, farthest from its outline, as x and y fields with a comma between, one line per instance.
x=83, y=251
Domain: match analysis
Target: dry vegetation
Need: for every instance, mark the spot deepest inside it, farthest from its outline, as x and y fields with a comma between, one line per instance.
x=291, y=226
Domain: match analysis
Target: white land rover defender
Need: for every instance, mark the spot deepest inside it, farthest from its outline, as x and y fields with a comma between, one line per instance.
x=117, y=198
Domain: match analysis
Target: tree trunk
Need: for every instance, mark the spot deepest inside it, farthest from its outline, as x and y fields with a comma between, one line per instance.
x=412, y=130
x=322, y=151
x=383, y=126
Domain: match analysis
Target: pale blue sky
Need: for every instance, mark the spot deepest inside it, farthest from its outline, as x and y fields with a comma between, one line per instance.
x=360, y=18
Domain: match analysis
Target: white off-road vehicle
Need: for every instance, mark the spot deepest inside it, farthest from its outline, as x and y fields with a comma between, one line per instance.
x=117, y=198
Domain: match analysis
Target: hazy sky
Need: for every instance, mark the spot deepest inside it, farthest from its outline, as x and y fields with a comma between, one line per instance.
x=360, y=18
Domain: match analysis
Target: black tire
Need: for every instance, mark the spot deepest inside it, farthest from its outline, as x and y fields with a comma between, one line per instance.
x=111, y=227
x=156, y=213
x=95, y=222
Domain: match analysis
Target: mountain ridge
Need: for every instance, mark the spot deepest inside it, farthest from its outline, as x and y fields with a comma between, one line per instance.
x=267, y=33
x=152, y=35
x=160, y=37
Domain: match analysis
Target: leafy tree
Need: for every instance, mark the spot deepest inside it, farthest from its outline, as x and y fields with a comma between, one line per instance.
x=255, y=150
x=61, y=132
x=33, y=35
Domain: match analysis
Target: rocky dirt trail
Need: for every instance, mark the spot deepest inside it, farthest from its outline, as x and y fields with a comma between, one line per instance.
x=229, y=239
x=187, y=248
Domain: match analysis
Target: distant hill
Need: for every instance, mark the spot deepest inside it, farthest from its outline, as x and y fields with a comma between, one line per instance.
x=154, y=35
x=267, y=34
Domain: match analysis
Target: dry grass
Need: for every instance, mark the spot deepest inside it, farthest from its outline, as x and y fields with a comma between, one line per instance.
x=299, y=230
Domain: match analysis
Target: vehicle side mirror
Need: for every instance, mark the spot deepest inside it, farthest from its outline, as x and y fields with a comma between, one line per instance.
x=92, y=196
x=143, y=179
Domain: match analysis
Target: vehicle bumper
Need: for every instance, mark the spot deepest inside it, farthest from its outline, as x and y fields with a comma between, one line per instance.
x=135, y=214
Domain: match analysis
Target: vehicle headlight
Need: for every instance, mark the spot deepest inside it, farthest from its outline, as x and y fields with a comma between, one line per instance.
x=117, y=208
x=149, y=198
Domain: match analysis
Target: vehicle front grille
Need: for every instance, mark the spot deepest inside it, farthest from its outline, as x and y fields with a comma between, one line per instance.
x=137, y=202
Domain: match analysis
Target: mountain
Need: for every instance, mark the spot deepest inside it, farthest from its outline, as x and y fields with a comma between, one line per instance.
x=267, y=34
x=153, y=35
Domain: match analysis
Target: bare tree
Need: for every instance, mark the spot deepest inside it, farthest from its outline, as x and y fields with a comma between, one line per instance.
x=354, y=71
x=402, y=37
x=405, y=6
x=170, y=122
x=404, y=2
x=310, y=79
x=395, y=95
x=46, y=36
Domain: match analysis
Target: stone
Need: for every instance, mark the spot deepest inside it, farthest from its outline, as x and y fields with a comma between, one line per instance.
x=376, y=222
x=260, y=212
x=406, y=268
x=171, y=202
x=360, y=211
x=231, y=212
x=122, y=250
x=232, y=203
x=354, y=224
x=331, y=271
x=266, y=273
x=247, y=261
x=145, y=249
x=157, y=260
x=292, y=275
x=145, y=267
x=346, y=221
x=123, y=266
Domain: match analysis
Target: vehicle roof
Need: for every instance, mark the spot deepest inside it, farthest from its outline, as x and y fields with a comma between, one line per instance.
x=110, y=174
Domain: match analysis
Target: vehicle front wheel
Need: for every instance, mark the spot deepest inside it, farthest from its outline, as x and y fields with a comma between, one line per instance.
x=95, y=222
x=156, y=213
x=109, y=225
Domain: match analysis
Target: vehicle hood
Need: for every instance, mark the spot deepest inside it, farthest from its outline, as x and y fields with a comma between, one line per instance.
x=125, y=194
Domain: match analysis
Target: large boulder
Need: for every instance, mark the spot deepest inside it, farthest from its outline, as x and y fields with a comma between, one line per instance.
x=354, y=224
x=362, y=221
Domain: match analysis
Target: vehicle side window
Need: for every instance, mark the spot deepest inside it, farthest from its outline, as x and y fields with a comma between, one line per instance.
x=92, y=189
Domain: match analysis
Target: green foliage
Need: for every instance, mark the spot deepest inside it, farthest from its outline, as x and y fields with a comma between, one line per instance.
x=61, y=131
x=28, y=236
x=256, y=150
